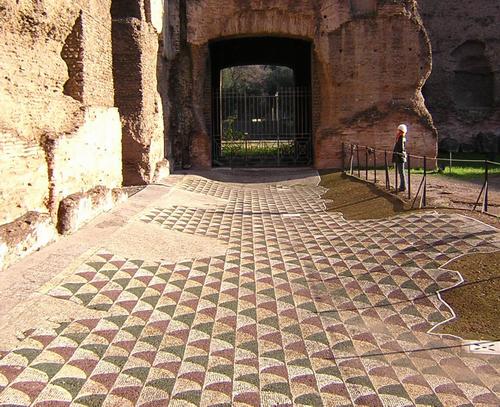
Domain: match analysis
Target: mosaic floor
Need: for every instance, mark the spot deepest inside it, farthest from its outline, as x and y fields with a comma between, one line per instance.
x=305, y=308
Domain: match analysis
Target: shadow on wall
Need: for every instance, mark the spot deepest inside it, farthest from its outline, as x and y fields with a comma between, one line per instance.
x=473, y=85
x=363, y=7
x=473, y=92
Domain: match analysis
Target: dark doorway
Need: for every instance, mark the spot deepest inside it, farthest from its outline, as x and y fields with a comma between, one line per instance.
x=270, y=127
x=474, y=82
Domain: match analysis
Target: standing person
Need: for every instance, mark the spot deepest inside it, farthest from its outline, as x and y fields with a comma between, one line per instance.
x=399, y=155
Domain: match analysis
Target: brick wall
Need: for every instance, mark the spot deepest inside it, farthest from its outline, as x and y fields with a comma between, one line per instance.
x=450, y=25
x=97, y=55
x=374, y=74
x=56, y=67
x=368, y=57
x=135, y=64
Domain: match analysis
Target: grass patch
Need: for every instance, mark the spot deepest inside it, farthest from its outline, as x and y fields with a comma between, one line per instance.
x=460, y=172
x=460, y=169
x=239, y=149
x=469, y=172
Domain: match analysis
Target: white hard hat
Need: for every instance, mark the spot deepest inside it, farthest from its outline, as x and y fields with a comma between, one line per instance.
x=403, y=128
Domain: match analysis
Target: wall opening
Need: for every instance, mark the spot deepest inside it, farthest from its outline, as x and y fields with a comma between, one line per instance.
x=363, y=7
x=126, y=9
x=473, y=83
x=261, y=102
x=257, y=79
x=72, y=53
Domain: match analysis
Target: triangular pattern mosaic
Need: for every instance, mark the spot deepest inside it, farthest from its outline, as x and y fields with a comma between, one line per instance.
x=305, y=308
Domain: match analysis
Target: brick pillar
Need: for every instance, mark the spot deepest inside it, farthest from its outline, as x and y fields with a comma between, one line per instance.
x=135, y=67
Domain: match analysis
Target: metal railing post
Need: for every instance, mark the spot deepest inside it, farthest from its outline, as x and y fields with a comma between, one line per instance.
x=246, y=152
x=366, y=163
x=343, y=157
x=357, y=158
x=396, y=177
x=485, y=205
x=351, y=159
x=387, y=179
x=424, y=193
x=409, y=176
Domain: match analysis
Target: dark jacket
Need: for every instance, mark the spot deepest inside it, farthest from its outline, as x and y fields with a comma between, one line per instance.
x=399, y=147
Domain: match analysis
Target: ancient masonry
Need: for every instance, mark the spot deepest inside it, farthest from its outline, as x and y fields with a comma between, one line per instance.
x=100, y=93
x=463, y=91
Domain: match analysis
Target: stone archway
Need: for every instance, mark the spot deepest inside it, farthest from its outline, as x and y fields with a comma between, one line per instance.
x=368, y=68
x=190, y=66
x=264, y=130
x=473, y=82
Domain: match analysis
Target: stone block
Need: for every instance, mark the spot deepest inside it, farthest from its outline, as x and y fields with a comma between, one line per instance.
x=162, y=170
x=78, y=209
x=24, y=236
x=24, y=185
x=89, y=157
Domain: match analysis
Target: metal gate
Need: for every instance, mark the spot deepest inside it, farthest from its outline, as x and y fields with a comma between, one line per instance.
x=262, y=131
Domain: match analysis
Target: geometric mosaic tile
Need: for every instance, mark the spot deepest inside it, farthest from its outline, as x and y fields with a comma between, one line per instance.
x=305, y=308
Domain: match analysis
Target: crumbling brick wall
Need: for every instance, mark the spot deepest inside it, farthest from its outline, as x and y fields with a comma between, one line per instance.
x=136, y=65
x=376, y=65
x=56, y=83
x=368, y=56
x=465, y=48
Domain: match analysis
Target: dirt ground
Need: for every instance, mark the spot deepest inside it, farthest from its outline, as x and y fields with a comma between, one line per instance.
x=446, y=192
x=357, y=199
x=483, y=297
x=476, y=302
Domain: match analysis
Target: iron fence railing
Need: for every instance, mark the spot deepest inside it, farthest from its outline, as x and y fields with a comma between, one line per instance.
x=359, y=158
x=262, y=130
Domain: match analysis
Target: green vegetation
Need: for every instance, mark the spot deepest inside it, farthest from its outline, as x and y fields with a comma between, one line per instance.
x=234, y=144
x=230, y=133
x=256, y=149
x=257, y=79
x=462, y=172
x=460, y=169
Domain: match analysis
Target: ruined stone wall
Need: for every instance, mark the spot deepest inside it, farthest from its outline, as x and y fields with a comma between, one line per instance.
x=370, y=61
x=135, y=68
x=465, y=45
x=55, y=84
x=89, y=157
x=376, y=64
